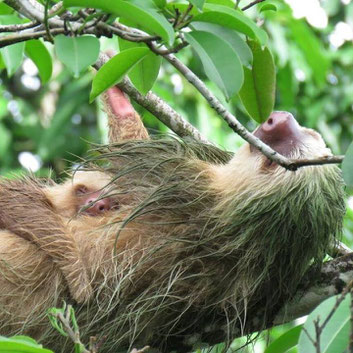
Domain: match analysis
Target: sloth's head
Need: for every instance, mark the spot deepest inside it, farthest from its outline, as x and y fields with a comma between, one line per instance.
x=250, y=168
x=284, y=135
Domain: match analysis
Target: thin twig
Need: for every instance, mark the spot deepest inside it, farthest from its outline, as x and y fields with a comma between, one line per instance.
x=56, y=9
x=318, y=331
x=21, y=37
x=46, y=23
x=309, y=336
x=174, y=50
x=177, y=16
x=339, y=300
x=183, y=17
x=252, y=4
x=126, y=35
x=317, y=161
x=18, y=27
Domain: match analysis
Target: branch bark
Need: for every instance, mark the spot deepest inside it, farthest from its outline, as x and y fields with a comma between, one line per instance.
x=334, y=277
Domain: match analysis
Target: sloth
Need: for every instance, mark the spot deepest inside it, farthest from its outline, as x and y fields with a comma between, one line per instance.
x=206, y=241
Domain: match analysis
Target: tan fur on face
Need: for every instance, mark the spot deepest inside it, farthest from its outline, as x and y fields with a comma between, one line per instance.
x=64, y=197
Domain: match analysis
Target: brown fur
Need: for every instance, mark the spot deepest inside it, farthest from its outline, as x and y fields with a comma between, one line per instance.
x=27, y=211
x=55, y=205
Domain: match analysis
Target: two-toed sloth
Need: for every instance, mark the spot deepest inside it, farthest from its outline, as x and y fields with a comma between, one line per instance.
x=203, y=242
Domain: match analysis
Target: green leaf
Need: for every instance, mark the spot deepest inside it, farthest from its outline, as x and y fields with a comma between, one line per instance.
x=21, y=344
x=5, y=10
x=286, y=341
x=268, y=7
x=10, y=19
x=149, y=20
x=258, y=91
x=115, y=69
x=335, y=335
x=182, y=7
x=231, y=37
x=220, y=62
x=26, y=340
x=160, y=3
x=347, y=166
x=12, y=56
x=77, y=53
x=228, y=3
x=146, y=4
x=39, y=54
x=144, y=74
x=198, y=3
x=233, y=19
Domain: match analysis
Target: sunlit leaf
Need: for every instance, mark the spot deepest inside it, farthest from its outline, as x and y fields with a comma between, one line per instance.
x=39, y=54
x=150, y=20
x=13, y=57
x=230, y=18
x=221, y=63
x=347, y=166
x=268, y=7
x=160, y=3
x=77, y=53
x=198, y=3
x=115, y=69
x=258, y=92
x=228, y=3
x=5, y=10
x=335, y=334
x=286, y=341
x=21, y=344
x=144, y=74
x=146, y=4
x=230, y=36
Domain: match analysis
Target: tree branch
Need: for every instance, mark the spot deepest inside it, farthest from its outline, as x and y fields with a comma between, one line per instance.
x=18, y=27
x=335, y=276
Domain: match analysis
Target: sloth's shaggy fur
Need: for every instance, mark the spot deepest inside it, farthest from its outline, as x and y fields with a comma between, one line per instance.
x=201, y=243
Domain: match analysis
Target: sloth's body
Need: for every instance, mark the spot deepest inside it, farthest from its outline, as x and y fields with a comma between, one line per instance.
x=205, y=243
